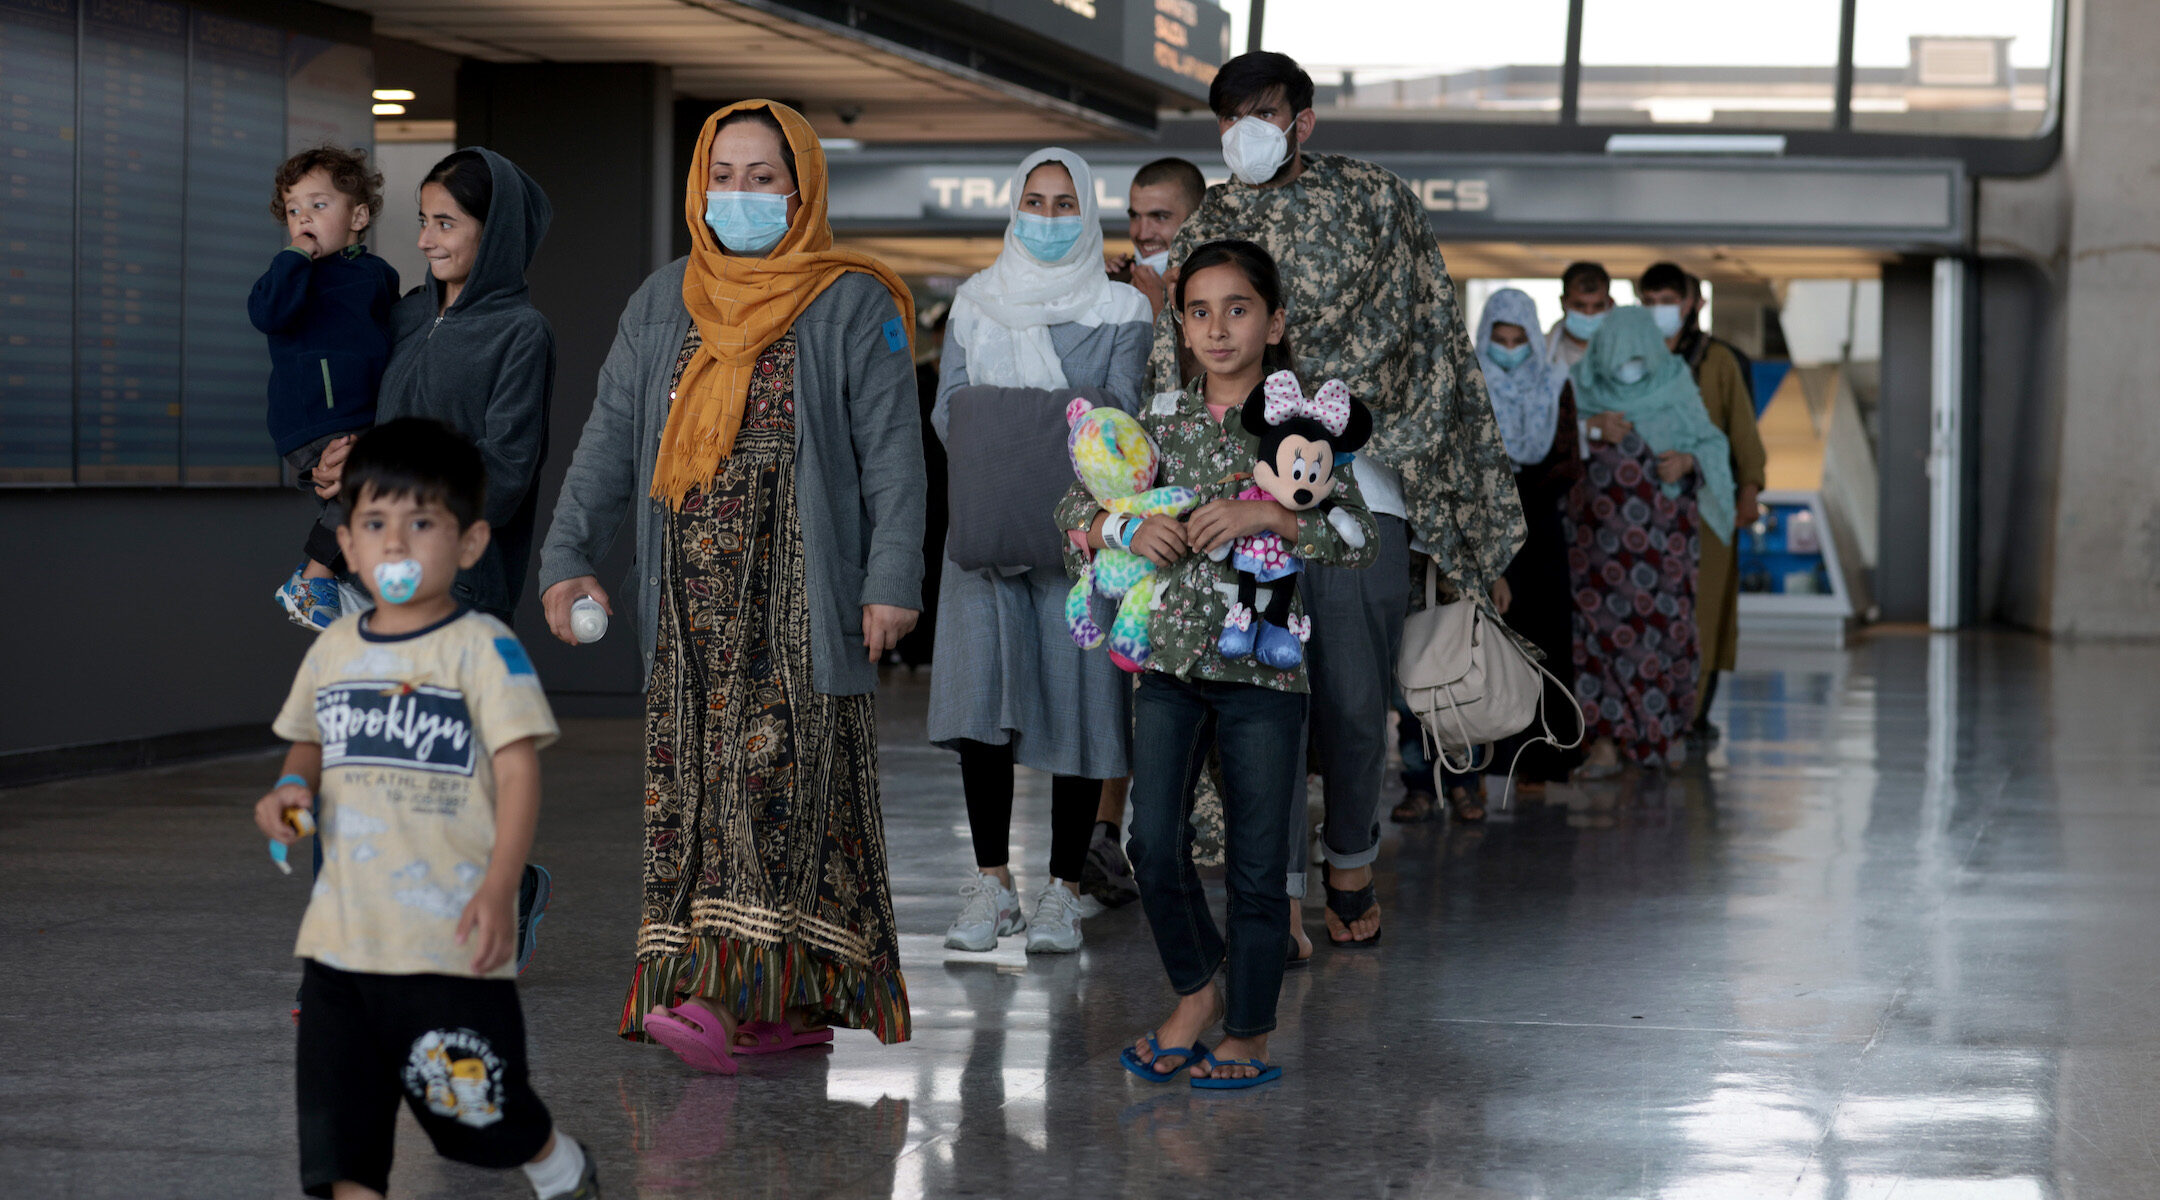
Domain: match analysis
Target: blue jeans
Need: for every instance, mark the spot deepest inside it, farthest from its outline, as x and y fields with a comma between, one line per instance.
x=1260, y=731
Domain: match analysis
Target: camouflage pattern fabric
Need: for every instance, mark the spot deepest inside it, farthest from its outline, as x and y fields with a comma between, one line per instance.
x=1370, y=302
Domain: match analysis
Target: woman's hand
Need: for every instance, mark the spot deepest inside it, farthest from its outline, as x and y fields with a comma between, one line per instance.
x=1502, y=595
x=329, y=473
x=1162, y=541
x=1612, y=427
x=1675, y=465
x=1219, y=523
x=556, y=602
x=883, y=625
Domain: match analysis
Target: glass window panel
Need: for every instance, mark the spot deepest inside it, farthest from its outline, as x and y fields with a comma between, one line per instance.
x=37, y=238
x=1710, y=62
x=1442, y=59
x=236, y=141
x=128, y=243
x=1976, y=68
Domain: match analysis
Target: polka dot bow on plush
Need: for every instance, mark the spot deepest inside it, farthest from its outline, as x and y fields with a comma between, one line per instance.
x=1330, y=405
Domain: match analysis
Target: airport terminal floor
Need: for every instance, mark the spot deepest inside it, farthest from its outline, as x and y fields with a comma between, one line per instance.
x=1896, y=938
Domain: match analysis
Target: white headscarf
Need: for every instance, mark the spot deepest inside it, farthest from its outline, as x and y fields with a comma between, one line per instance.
x=1002, y=316
x=1526, y=400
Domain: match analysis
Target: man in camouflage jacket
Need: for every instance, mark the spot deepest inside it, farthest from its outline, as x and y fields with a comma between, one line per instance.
x=1369, y=302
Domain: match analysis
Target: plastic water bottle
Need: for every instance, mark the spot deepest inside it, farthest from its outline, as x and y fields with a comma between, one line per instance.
x=588, y=620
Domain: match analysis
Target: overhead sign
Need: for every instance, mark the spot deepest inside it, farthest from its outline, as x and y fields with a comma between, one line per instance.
x=1900, y=204
x=1178, y=43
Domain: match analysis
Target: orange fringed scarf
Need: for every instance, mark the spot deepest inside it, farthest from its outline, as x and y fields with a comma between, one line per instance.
x=742, y=305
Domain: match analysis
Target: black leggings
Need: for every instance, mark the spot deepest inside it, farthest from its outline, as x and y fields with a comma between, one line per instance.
x=986, y=774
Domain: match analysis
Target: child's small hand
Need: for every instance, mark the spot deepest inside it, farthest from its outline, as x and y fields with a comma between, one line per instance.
x=1161, y=540
x=492, y=912
x=1224, y=521
x=270, y=811
x=308, y=243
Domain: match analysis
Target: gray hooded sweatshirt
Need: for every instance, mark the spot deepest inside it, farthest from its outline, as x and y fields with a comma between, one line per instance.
x=486, y=368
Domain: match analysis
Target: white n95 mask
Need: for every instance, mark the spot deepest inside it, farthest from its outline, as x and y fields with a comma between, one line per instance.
x=1254, y=150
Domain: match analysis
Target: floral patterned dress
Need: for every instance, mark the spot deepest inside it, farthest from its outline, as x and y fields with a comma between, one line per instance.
x=765, y=874
x=1632, y=555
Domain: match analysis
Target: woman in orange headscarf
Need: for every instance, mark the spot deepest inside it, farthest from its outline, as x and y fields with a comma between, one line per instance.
x=758, y=416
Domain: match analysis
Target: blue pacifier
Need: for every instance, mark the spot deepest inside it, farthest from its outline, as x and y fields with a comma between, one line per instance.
x=397, y=582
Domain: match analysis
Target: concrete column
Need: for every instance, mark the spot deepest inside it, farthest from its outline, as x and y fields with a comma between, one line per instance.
x=596, y=137
x=2107, y=519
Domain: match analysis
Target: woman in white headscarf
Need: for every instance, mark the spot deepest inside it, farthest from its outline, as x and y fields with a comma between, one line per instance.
x=1008, y=684
x=1534, y=405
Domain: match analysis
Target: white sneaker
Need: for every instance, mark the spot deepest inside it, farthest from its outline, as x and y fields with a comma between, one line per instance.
x=992, y=911
x=1055, y=926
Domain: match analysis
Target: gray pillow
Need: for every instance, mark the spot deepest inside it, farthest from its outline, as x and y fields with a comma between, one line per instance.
x=1006, y=470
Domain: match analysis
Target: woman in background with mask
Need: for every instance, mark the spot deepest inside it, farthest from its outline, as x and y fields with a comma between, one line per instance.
x=1633, y=531
x=1009, y=685
x=757, y=420
x=1534, y=405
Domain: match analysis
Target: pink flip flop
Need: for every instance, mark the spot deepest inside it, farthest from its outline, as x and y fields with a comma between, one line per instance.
x=684, y=1031
x=778, y=1037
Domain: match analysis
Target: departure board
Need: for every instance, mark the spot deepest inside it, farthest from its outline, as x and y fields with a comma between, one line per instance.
x=37, y=232
x=142, y=139
x=129, y=244
x=235, y=142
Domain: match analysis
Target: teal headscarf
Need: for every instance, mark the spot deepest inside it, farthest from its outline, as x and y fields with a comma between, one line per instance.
x=1664, y=406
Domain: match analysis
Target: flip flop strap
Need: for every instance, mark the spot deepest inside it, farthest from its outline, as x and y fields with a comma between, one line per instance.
x=1351, y=903
x=1213, y=1062
x=1184, y=1054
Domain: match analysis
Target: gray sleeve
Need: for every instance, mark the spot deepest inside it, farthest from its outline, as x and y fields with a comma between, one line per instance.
x=885, y=423
x=1127, y=377
x=596, y=492
x=516, y=415
x=952, y=376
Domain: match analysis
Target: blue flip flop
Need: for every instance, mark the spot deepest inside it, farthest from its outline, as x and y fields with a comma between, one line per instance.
x=1147, y=1071
x=1267, y=1073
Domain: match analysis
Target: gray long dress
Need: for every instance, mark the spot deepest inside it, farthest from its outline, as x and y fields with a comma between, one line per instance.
x=1006, y=668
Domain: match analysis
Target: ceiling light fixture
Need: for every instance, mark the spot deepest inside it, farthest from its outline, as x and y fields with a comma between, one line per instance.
x=389, y=110
x=394, y=94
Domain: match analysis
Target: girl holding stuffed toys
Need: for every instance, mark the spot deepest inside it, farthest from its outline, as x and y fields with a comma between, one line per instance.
x=1244, y=426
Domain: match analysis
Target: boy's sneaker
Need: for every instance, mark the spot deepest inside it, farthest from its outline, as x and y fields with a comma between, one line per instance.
x=1107, y=877
x=992, y=911
x=1055, y=926
x=312, y=604
x=533, y=891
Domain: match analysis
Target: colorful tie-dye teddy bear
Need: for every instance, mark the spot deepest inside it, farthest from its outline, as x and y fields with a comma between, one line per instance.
x=1115, y=461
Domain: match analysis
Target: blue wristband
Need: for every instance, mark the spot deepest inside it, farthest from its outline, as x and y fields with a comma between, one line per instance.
x=292, y=779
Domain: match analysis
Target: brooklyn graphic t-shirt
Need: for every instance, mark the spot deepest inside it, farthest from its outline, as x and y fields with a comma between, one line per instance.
x=409, y=726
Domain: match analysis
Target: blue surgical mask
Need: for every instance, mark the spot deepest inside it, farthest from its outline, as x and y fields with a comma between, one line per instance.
x=1047, y=238
x=1582, y=326
x=1667, y=317
x=1631, y=371
x=747, y=222
x=1509, y=357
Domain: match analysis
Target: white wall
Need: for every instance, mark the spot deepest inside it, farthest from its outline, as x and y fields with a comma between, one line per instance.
x=396, y=236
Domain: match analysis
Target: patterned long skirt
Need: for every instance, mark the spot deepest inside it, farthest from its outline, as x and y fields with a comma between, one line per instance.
x=765, y=874
x=1632, y=555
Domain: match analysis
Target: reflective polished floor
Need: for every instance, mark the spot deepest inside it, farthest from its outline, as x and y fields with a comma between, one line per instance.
x=1898, y=939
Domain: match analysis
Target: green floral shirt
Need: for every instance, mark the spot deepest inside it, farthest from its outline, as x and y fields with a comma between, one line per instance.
x=1216, y=460
x=1370, y=303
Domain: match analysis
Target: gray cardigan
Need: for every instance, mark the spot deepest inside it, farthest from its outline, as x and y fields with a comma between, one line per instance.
x=858, y=467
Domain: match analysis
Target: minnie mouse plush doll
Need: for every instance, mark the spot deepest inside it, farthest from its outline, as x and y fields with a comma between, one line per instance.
x=1294, y=466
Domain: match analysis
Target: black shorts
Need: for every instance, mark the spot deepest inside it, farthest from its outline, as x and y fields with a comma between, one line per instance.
x=454, y=1048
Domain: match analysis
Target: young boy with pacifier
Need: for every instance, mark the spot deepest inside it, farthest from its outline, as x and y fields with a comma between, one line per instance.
x=416, y=730
x=325, y=306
